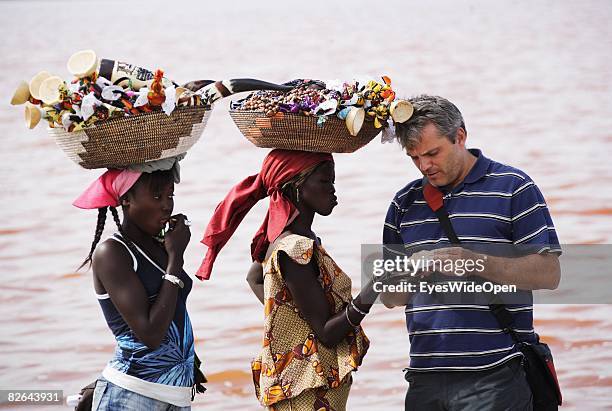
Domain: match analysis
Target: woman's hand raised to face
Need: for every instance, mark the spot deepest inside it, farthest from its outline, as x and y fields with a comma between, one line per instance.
x=178, y=235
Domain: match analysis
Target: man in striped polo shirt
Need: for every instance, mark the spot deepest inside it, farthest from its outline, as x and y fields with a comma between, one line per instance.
x=460, y=358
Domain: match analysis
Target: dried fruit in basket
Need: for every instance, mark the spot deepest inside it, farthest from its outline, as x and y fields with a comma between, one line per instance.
x=354, y=101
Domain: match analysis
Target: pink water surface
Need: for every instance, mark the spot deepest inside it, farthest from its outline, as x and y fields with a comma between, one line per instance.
x=532, y=78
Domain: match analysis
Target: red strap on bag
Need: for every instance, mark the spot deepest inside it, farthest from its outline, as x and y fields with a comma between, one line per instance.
x=433, y=196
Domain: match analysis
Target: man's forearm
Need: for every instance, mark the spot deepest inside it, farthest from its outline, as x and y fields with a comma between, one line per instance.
x=531, y=272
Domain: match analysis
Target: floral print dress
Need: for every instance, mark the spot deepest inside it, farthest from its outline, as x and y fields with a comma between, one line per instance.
x=293, y=370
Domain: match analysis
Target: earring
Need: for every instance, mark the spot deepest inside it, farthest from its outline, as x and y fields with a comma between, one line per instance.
x=297, y=195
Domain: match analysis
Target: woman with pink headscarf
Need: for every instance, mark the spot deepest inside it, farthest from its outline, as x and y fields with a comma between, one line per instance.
x=142, y=290
x=312, y=340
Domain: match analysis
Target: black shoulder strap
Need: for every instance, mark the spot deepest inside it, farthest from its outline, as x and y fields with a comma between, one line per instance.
x=435, y=201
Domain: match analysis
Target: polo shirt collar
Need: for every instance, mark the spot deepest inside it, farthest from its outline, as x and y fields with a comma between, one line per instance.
x=480, y=167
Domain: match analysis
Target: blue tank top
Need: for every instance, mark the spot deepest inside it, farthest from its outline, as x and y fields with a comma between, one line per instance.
x=172, y=362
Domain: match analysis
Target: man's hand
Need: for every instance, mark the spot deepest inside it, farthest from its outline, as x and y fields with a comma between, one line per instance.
x=449, y=261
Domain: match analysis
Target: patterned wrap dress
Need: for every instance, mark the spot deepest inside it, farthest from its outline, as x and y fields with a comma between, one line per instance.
x=294, y=371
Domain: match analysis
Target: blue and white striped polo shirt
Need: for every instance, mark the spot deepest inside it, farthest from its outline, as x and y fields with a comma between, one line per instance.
x=494, y=204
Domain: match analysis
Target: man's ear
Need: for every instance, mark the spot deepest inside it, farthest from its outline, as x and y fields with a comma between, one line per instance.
x=461, y=137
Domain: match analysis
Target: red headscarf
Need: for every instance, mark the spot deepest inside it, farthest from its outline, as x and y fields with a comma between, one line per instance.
x=278, y=167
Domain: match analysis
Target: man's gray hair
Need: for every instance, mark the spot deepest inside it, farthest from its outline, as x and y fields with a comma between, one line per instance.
x=429, y=109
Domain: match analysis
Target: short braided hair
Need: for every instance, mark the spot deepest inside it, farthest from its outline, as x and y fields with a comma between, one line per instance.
x=127, y=240
x=99, y=230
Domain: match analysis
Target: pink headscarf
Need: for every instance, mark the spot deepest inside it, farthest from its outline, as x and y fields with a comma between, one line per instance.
x=278, y=167
x=107, y=189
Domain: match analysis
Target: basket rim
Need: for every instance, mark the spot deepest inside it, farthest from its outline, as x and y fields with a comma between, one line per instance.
x=125, y=118
x=328, y=117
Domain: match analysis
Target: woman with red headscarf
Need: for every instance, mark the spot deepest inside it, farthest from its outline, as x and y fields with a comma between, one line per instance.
x=312, y=337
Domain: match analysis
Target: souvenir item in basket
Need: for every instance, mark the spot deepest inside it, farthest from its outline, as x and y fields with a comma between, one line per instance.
x=333, y=117
x=115, y=114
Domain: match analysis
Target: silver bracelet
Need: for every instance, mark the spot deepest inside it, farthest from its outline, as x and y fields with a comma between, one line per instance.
x=348, y=319
x=364, y=313
x=173, y=279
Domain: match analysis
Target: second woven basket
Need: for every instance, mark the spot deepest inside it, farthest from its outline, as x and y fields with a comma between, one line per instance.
x=298, y=132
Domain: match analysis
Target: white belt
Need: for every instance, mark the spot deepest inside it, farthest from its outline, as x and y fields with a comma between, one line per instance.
x=179, y=396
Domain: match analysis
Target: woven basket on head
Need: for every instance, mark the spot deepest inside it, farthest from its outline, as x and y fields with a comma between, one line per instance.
x=122, y=141
x=299, y=132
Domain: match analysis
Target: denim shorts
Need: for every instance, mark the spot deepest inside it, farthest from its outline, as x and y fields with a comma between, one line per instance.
x=109, y=397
